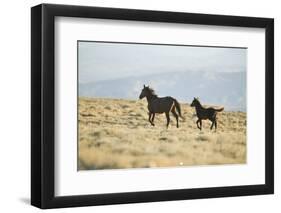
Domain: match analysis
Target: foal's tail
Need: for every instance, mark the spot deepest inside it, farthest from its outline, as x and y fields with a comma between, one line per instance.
x=219, y=110
x=178, y=107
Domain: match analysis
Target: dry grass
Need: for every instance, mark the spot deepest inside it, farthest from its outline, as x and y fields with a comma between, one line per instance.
x=116, y=134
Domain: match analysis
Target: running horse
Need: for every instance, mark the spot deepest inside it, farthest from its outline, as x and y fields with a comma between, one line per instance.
x=205, y=113
x=160, y=105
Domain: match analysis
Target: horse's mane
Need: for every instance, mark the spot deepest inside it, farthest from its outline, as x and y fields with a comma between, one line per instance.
x=152, y=91
x=197, y=100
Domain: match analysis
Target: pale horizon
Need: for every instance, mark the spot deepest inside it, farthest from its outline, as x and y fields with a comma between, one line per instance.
x=99, y=61
x=119, y=70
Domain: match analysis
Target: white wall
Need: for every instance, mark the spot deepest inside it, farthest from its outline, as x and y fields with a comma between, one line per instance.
x=15, y=105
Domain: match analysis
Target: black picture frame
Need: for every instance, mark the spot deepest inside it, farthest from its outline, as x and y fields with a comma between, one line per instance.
x=43, y=105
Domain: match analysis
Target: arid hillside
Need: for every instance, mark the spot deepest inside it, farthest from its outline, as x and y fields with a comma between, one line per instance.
x=115, y=133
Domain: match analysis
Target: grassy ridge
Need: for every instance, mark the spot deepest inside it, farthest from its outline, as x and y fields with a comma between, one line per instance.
x=116, y=134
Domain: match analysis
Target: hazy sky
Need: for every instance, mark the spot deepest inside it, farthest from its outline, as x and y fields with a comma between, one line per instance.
x=104, y=61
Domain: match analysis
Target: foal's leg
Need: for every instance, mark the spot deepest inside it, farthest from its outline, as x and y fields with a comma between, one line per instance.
x=168, y=118
x=176, y=116
x=152, y=119
x=213, y=122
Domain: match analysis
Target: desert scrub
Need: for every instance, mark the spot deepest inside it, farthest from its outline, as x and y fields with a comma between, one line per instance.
x=115, y=133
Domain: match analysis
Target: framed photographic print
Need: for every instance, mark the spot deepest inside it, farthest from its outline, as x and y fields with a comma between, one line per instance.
x=139, y=106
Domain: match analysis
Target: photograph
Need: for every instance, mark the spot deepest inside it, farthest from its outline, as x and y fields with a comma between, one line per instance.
x=138, y=105
x=146, y=105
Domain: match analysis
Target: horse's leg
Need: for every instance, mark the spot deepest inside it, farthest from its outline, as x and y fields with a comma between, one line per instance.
x=197, y=124
x=149, y=117
x=152, y=119
x=168, y=118
x=216, y=125
x=176, y=116
x=199, y=121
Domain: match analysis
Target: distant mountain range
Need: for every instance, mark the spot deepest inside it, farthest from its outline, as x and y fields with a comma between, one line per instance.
x=215, y=88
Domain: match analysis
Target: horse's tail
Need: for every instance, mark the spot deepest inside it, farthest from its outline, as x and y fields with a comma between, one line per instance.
x=178, y=107
x=219, y=110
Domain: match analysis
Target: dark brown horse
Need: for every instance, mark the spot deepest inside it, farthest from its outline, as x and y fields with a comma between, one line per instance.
x=205, y=113
x=160, y=105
